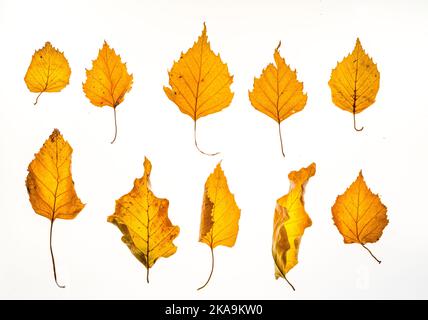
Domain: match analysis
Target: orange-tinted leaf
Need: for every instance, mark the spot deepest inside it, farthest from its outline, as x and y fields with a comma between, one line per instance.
x=277, y=93
x=220, y=214
x=108, y=81
x=290, y=222
x=50, y=185
x=143, y=220
x=359, y=215
x=354, y=82
x=48, y=72
x=200, y=82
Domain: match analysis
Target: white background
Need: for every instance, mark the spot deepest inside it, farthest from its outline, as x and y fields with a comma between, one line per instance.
x=149, y=35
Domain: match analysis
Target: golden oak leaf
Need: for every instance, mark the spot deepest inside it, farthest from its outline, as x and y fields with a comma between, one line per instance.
x=277, y=93
x=48, y=71
x=220, y=215
x=359, y=215
x=143, y=220
x=290, y=222
x=108, y=81
x=354, y=82
x=50, y=185
x=200, y=82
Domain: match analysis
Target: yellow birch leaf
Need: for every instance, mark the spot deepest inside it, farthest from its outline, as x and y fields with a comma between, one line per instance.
x=359, y=215
x=354, y=82
x=50, y=185
x=143, y=220
x=108, y=81
x=200, y=82
x=290, y=222
x=48, y=71
x=220, y=215
x=277, y=93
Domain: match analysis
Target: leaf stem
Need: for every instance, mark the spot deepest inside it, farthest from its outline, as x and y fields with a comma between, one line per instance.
x=115, y=126
x=280, y=138
x=37, y=98
x=147, y=274
x=355, y=124
x=212, y=269
x=292, y=287
x=378, y=261
x=196, y=144
x=52, y=255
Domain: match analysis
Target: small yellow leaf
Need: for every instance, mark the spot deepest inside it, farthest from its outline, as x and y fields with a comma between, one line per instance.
x=220, y=215
x=108, y=81
x=200, y=82
x=277, y=93
x=354, y=82
x=290, y=222
x=48, y=71
x=50, y=185
x=143, y=220
x=359, y=215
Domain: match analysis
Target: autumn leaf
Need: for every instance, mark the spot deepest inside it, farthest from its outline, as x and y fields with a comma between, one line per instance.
x=50, y=185
x=290, y=222
x=48, y=71
x=200, y=82
x=220, y=215
x=354, y=82
x=143, y=220
x=108, y=81
x=359, y=215
x=277, y=93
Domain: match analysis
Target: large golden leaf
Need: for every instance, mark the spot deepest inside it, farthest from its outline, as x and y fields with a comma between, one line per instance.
x=48, y=71
x=359, y=215
x=108, y=81
x=354, y=82
x=290, y=222
x=50, y=185
x=143, y=220
x=200, y=82
x=277, y=93
x=220, y=215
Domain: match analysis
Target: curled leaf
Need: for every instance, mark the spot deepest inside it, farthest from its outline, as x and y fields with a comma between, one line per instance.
x=48, y=71
x=290, y=222
x=200, y=82
x=220, y=215
x=50, y=185
x=143, y=220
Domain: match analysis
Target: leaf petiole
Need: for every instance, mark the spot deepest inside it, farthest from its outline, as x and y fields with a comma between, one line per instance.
x=52, y=255
x=212, y=269
x=37, y=98
x=196, y=144
x=378, y=261
x=115, y=126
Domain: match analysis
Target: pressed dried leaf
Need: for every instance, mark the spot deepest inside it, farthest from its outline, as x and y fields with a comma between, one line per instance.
x=359, y=215
x=277, y=93
x=108, y=81
x=143, y=220
x=220, y=215
x=48, y=71
x=354, y=82
x=290, y=222
x=50, y=185
x=199, y=82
